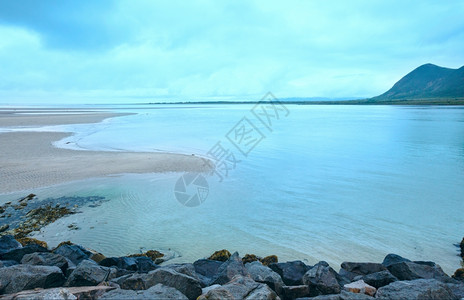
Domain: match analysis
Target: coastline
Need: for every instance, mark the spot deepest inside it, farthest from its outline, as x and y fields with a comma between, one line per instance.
x=29, y=160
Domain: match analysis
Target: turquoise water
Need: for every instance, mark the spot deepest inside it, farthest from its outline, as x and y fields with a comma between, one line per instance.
x=327, y=183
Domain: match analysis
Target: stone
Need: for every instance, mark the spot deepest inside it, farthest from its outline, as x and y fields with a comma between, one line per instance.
x=411, y=271
x=294, y=291
x=416, y=289
x=8, y=243
x=322, y=280
x=135, y=281
x=145, y=264
x=221, y=255
x=263, y=274
x=291, y=272
x=187, y=285
x=248, y=258
x=360, y=287
x=46, y=259
x=459, y=274
x=158, y=291
x=378, y=279
x=127, y=263
x=17, y=254
x=7, y=263
x=4, y=227
x=229, y=269
x=23, y=277
x=271, y=259
x=240, y=287
x=344, y=295
x=391, y=259
x=186, y=269
x=206, y=270
x=73, y=252
x=28, y=241
x=89, y=273
x=353, y=269
x=86, y=292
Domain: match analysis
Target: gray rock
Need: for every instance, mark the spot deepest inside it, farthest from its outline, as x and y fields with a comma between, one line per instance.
x=391, y=259
x=322, y=280
x=145, y=264
x=457, y=289
x=132, y=281
x=291, y=272
x=423, y=289
x=158, y=291
x=263, y=274
x=127, y=263
x=74, y=253
x=411, y=271
x=187, y=269
x=378, y=279
x=8, y=243
x=353, y=269
x=17, y=254
x=46, y=259
x=230, y=268
x=240, y=287
x=22, y=277
x=206, y=270
x=7, y=263
x=187, y=285
x=88, y=273
x=294, y=291
x=344, y=295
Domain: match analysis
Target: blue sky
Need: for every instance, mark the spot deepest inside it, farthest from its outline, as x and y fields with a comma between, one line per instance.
x=142, y=51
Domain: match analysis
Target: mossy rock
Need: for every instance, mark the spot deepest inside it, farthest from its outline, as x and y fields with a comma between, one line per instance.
x=29, y=241
x=459, y=274
x=97, y=257
x=221, y=255
x=269, y=260
x=152, y=254
x=63, y=243
x=248, y=258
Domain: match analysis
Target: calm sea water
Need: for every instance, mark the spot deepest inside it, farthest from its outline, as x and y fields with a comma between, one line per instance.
x=327, y=183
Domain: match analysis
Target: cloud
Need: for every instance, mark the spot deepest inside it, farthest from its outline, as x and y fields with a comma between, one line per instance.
x=95, y=51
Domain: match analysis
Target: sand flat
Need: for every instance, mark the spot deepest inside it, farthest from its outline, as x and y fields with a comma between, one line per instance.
x=28, y=159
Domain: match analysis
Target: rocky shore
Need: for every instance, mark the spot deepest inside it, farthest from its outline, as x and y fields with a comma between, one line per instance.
x=30, y=270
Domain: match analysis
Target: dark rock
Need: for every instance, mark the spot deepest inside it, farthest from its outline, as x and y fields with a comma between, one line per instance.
x=135, y=281
x=353, y=269
x=457, y=289
x=23, y=277
x=206, y=270
x=378, y=279
x=89, y=273
x=7, y=263
x=17, y=254
x=186, y=269
x=4, y=227
x=411, y=271
x=145, y=264
x=187, y=285
x=158, y=291
x=294, y=291
x=461, y=246
x=416, y=289
x=248, y=258
x=459, y=274
x=221, y=255
x=46, y=259
x=391, y=259
x=8, y=243
x=322, y=280
x=127, y=263
x=344, y=295
x=271, y=259
x=291, y=272
x=240, y=288
x=75, y=253
x=263, y=274
x=229, y=269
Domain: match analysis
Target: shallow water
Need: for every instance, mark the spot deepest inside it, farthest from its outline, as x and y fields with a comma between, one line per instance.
x=327, y=183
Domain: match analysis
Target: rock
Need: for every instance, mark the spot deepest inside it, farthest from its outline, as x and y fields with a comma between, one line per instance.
x=360, y=287
x=411, y=271
x=459, y=274
x=229, y=269
x=158, y=291
x=221, y=255
x=86, y=292
x=291, y=272
x=145, y=264
x=186, y=269
x=154, y=255
x=4, y=227
x=46, y=259
x=132, y=281
x=8, y=243
x=208, y=288
x=271, y=259
x=353, y=269
x=322, y=280
x=263, y=274
x=294, y=291
x=17, y=254
x=248, y=258
x=391, y=259
x=88, y=273
x=7, y=263
x=187, y=285
x=23, y=277
x=344, y=295
x=240, y=288
x=127, y=263
x=461, y=246
x=28, y=241
x=416, y=289
x=206, y=270
x=457, y=289
x=378, y=279
x=73, y=252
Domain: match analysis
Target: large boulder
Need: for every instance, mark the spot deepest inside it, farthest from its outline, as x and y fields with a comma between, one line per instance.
x=18, y=253
x=411, y=270
x=416, y=289
x=23, y=277
x=344, y=295
x=353, y=269
x=158, y=291
x=8, y=243
x=378, y=279
x=291, y=272
x=145, y=264
x=89, y=273
x=322, y=280
x=294, y=291
x=186, y=269
x=229, y=269
x=74, y=253
x=240, y=287
x=46, y=259
x=206, y=270
x=391, y=259
x=263, y=274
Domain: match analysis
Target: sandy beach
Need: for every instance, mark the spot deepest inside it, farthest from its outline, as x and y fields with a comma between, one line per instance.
x=28, y=159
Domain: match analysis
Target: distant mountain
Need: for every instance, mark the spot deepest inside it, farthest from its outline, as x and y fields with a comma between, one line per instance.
x=425, y=82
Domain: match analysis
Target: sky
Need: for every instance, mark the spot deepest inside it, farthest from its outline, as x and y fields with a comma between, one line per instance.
x=147, y=51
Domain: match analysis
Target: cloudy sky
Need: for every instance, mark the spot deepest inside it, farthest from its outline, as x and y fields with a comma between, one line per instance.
x=142, y=51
